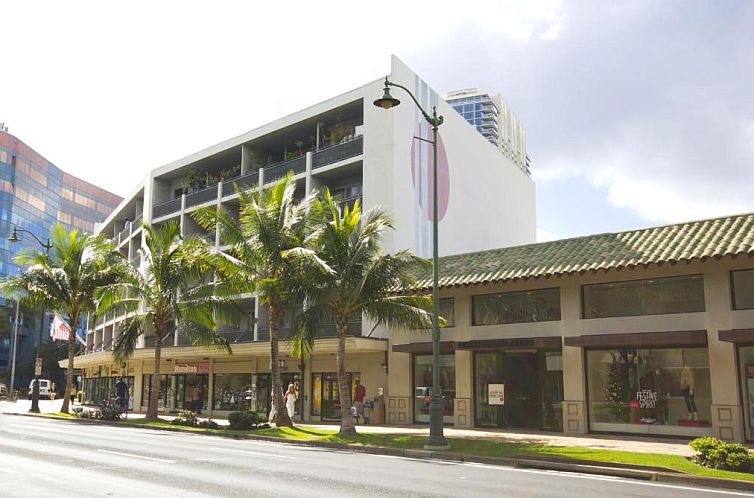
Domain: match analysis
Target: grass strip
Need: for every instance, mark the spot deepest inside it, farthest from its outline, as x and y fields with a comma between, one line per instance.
x=476, y=446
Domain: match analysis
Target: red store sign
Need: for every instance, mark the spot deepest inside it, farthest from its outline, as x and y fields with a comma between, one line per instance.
x=192, y=368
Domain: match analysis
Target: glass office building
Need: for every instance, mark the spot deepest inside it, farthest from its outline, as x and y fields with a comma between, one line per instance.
x=35, y=194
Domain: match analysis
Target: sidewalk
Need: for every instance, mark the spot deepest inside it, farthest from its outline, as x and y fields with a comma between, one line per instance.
x=678, y=447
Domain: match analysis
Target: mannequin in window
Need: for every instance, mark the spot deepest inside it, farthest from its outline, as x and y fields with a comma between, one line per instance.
x=687, y=389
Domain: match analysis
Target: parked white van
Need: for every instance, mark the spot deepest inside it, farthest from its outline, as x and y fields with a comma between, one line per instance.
x=44, y=388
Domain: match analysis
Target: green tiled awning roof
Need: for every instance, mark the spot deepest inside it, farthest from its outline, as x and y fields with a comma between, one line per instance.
x=696, y=240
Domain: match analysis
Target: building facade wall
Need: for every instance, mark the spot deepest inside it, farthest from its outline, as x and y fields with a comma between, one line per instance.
x=722, y=413
x=34, y=195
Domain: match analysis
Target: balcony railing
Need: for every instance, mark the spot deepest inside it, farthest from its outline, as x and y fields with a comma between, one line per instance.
x=338, y=152
x=137, y=222
x=279, y=170
x=166, y=208
x=201, y=196
x=124, y=234
x=327, y=330
x=242, y=182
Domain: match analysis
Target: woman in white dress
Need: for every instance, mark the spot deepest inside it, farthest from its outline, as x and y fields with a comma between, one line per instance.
x=290, y=400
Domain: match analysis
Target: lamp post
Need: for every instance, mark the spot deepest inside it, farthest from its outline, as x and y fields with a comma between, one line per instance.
x=37, y=358
x=436, y=438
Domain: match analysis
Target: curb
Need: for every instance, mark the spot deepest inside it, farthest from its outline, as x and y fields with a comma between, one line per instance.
x=628, y=471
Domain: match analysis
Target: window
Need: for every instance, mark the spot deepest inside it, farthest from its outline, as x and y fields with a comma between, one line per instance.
x=657, y=296
x=743, y=289
x=650, y=391
x=233, y=392
x=448, y=311
x=540, y=305
x=423, y=386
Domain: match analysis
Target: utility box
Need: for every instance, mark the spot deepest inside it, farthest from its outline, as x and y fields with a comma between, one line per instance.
x=377, y=416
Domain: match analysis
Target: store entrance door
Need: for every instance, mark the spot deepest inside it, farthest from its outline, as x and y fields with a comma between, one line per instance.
x=533, y=387
x=522, y=390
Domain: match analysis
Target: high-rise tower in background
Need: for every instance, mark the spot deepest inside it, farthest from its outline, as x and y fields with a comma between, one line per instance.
x=494, y=119
x=34, y=195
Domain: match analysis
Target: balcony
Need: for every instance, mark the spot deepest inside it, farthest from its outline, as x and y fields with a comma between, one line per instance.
x=242, y=182
x=327, y=330
x=201, y=196
x=166, y=208
x=279, y=170
x=124, y=234
x=338, y=152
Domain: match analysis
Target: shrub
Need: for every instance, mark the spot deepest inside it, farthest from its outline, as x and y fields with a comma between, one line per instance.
x=717, y=454
x=185, y=417
x=241, y=421
x=78, y=412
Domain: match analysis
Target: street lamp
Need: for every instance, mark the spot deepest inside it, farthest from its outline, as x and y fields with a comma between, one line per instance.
x=436, y=438
x=37, y=361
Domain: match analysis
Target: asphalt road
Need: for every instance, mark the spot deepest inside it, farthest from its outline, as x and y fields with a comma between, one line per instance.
x=58, y=458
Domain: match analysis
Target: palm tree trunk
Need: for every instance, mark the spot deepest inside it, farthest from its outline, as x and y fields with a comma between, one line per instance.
x=281, y=413
x=71, y=355
x=347, y=425
x=155, y=382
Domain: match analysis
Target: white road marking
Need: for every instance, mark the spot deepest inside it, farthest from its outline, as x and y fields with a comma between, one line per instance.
x=9, y=471
x=137, y=456
x=257, y=453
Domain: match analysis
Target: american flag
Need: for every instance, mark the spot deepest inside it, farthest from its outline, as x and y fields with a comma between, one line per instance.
x=59, y=330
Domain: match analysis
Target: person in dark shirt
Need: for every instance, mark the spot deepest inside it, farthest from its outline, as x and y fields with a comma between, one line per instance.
x=121, y=393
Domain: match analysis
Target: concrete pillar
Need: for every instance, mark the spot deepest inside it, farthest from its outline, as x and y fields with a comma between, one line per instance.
x=726, y=410
x=308, y=188
x=574, y=386
x=399, y=397
x=211, y=386
x=463, y=406
x=261, y=177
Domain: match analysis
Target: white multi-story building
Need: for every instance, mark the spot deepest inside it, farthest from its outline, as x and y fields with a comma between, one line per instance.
x=358, y=151
x=494, y=119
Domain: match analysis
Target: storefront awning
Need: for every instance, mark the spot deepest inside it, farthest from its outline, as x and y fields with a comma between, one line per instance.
x=642, y=339
x=446, y=347
x=737, y=336
x=551, y=342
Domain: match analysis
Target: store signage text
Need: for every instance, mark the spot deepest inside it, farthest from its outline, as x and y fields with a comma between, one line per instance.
x=192, y=368
x=646, y=398
x=496, y=394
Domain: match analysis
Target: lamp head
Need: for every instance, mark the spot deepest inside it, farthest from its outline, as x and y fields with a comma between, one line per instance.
x=13, y=236
x=387, y=101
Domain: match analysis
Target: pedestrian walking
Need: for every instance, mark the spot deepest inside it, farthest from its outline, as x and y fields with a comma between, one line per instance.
x=290, y=400
x=359, y=393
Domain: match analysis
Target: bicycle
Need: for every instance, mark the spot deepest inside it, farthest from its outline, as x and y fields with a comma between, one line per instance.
x=113, y=409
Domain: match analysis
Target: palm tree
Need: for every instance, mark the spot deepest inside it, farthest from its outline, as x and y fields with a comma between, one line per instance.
x=345, y=275
x=169, y=291
x=66, y=281
x=270, y=224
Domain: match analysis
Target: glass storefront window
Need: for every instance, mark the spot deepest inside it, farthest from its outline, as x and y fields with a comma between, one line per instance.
x=684, y=294
x=650, y=391
x=423, y=386
x=178, y=392
x=97, y=389
x=743, y=289
x=532, y=384
x=538, y=305
x=233, y=392
x=746, y=364
x=325, y=394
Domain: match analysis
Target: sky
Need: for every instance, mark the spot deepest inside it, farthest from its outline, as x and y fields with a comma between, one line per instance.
x=637, y=113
